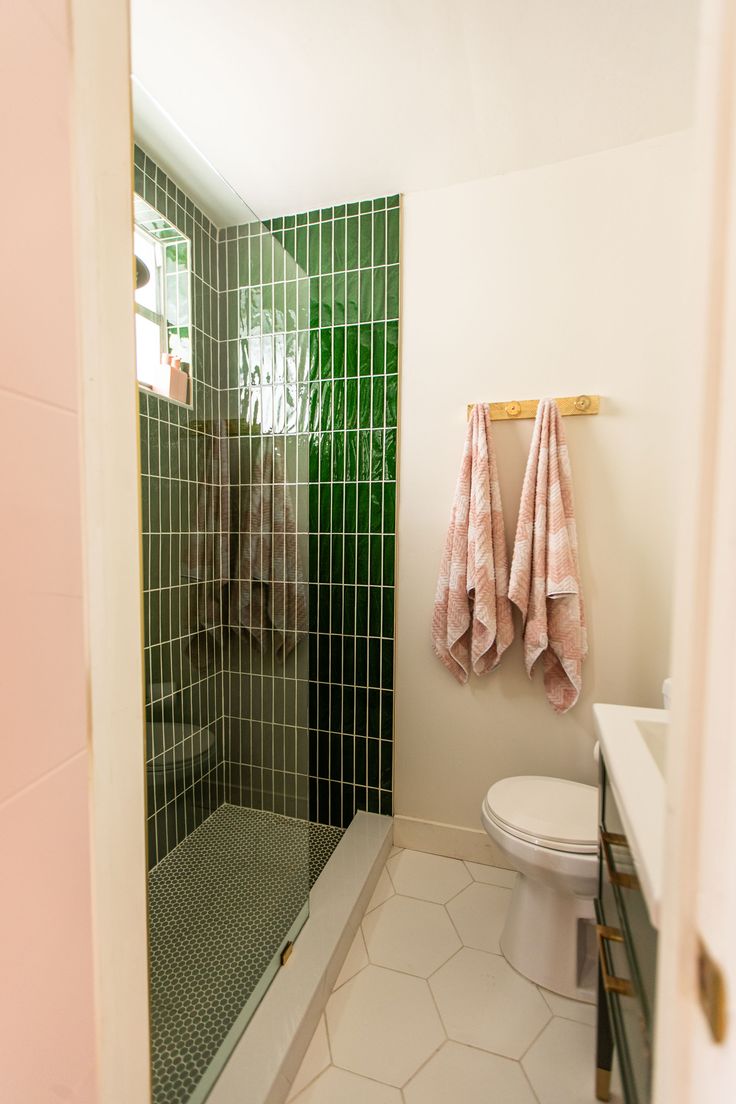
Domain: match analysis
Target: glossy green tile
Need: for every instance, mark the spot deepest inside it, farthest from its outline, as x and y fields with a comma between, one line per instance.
x=302, y=248
x=338, y=407
x=377, y=402
x=351, y=403
x=350, y=544
x=389, y=469
x=326, y=247
x=377, y=454
x=389, y=508
x=339, y=244
x=364, y=506
x=392, y=292
x=325, y=353
x=364, y=454
x=377, y=507
x=351, y=243
x=366, y=294
x=325, y=314
x=378, y=309
x=392, y=233
x=375, y=601
x=339, y=292
x=352, y=296
x=363, y=565
x=314, y=242
x=351, y=351
x=351, y=456
x=364, y=402
x=338, y=497
x=338, y=352
x=326, y=399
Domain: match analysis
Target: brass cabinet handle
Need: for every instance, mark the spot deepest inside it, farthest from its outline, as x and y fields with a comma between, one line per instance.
x=611, y=983
x=616, y=877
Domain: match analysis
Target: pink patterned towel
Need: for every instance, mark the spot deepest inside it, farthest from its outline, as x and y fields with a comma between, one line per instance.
x=545, y=576
x=472, y=623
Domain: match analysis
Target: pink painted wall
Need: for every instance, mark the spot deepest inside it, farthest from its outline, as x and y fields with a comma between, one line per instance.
x=47, y=1021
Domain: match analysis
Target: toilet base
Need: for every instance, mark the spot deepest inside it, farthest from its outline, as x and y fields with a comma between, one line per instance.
x=549, y=937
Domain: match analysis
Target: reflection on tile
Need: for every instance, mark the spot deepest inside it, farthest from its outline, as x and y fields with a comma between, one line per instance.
x=383, y=1025
x=430, y=877
x=468, y=1076
x=484, y=1003
x=413, y=936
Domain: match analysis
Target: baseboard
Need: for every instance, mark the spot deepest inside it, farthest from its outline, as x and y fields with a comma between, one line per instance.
x=472, y=844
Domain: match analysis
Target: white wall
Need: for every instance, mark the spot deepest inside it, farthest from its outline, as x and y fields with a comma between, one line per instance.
x=559, y=280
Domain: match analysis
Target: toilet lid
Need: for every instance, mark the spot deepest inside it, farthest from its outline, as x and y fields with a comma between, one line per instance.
x=550, y=811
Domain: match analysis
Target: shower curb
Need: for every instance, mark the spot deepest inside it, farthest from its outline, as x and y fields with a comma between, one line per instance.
x=265, y=1061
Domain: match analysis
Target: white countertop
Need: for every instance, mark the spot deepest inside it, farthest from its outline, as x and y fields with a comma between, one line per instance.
x=640, y=791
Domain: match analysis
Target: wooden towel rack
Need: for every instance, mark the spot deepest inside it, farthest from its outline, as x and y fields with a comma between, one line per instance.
x=527, y=408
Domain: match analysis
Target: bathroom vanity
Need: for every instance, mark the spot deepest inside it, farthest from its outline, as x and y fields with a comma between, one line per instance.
x=631, y=831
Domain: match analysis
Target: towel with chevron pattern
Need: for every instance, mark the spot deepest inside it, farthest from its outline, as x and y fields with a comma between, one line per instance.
x=545, y=576
x=472, y=624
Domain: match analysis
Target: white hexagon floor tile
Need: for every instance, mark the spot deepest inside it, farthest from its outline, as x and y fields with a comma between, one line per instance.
x=484, y=1003
x=384, y=889
x=471, y=1076
x=561, y=1063
x=355, y=960
x=479, y=914
x=491, y=875
x=429, y=877
x=315, y=1061
x=336, y=1086
x=569, y=1009
x=410, y=935
x=383, y=1025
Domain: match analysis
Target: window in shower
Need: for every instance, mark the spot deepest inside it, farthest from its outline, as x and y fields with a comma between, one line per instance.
x=162, y=304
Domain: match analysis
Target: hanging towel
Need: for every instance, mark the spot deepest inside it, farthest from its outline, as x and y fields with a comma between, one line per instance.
x=545, y=577
x=472, y=624
x=268, y=594
x=206, y=555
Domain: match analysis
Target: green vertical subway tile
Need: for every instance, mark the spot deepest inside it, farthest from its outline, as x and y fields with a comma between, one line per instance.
x=376, y=523
x=338, y=298
x=351, y=499
x=366, y=241
x=392, y=389
x=325, y=508
x=348, y=611
x=325, y=353
x=326, y=405
x=338, y=244
x=376, y=572
x=267, y=244
x=351, y=457
x=255, y=260
x=351, y=243
x=378, y=311
x=243, y=274
x=352, y=297
x=392, y=347
x=302, y=356
x=337, y=549
x=389, y=543
x=361, y=610
x=325, y=458
x=364, y=403
x=279, y=263
x=379, y=349
x=351, y=404
x=338, y=352
x=325, y=314
x=375, y=607
x=279, y=308
x=243, y=312
x=301, y=218
x=392, y=292
x=365, y=352
x=366, y=294
x=388, y=611
x=313, y=261
x=290, y=250
x=314, y=492
x=326, y=247
x=389, y=508
x=378, y=401
x=302, y=248
x=314, y=298
x=374, y=663
x=254, y=311
x=351, y=351
x=290, y=304
x=324, y=574
x=362, y=567
x=379, y=238
x=349, y=550
x=337, y=474
x=392, y=234
x=337, y=500
x=303, y=304
x=364, y=507
x=364, y=454
x=314, y=407
x=389, y=458
x=338, y=405
x=361, y=662
x=377, y=454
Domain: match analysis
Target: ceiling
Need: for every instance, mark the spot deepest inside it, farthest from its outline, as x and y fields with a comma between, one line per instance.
x=306, y=103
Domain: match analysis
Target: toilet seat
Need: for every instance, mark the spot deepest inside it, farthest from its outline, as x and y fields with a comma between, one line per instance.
x=548, y=812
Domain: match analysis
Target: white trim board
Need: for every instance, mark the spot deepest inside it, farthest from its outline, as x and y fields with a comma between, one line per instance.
x=451, y=840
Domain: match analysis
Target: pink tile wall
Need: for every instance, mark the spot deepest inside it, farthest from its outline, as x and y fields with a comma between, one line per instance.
x=47, y=1023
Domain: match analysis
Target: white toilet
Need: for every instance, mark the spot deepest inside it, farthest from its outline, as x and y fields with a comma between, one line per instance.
x=548, y=831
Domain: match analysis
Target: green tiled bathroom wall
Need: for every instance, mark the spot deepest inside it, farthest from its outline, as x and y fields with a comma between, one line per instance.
x=295, y=348
x=185, y=776
x=313, y=361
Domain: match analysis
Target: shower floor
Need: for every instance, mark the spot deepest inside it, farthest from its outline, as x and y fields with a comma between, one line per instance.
x=220, y=907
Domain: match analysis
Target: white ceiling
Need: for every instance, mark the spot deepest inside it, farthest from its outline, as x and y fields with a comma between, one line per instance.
x=305, y=103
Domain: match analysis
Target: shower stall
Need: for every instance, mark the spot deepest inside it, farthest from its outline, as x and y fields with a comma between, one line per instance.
x=268, y=486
